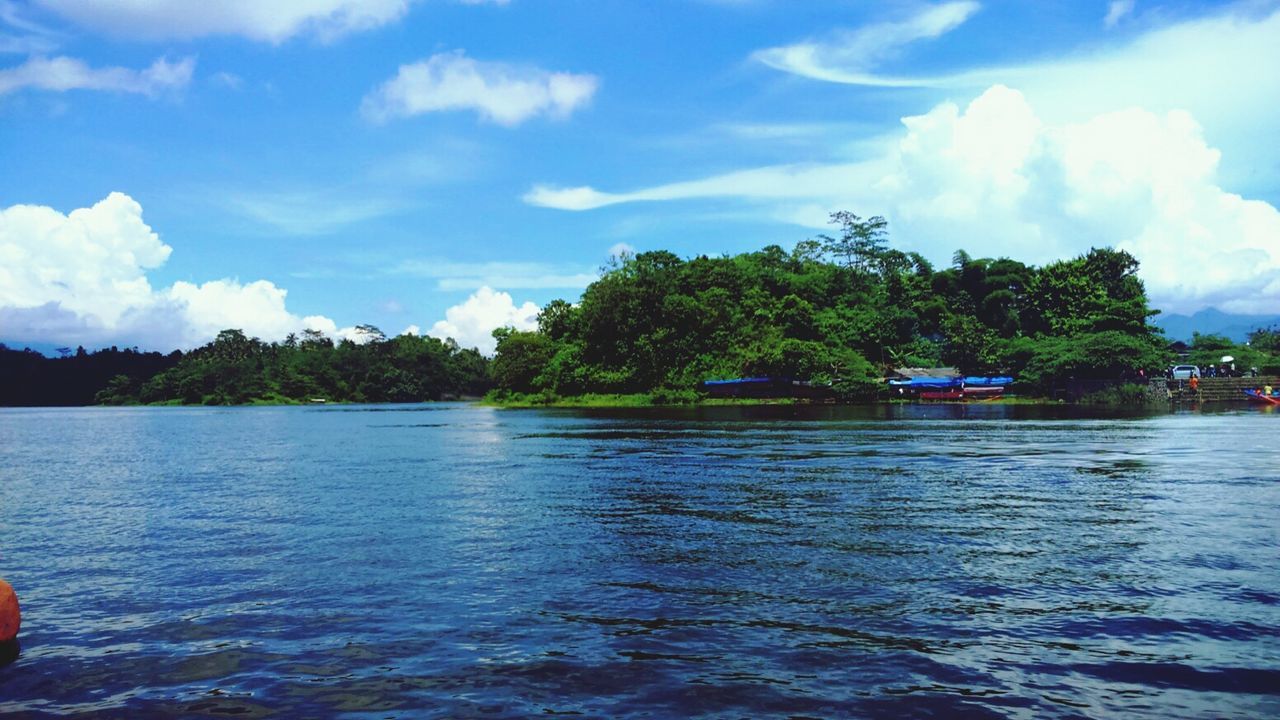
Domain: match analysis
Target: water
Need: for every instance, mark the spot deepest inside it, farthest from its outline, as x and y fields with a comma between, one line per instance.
x=456, y=561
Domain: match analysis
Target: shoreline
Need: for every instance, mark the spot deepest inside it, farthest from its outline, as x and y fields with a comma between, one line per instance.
x=668, y=400
x=645, y=400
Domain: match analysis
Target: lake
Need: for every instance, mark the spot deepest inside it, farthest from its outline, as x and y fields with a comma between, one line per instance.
x=460, y=561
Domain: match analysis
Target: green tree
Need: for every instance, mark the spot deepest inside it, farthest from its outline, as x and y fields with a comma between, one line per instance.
x=521, y=359
x=860, y=243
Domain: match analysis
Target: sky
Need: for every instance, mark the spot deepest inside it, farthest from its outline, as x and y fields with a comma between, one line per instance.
x=171, y=168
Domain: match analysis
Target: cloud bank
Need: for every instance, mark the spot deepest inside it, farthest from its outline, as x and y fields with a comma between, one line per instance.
x=996, y=179
x=81, y=278
x=499, y=92
x=1211, y=66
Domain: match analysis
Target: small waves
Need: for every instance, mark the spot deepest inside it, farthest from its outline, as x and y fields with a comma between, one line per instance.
x=987, y=562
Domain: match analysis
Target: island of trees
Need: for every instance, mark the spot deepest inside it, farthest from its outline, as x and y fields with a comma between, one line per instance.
x=841, y=310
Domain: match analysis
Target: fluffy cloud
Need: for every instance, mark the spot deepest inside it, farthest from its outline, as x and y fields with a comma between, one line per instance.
x=1209, y=66
x=472, y=323
x=499, y=92
x=82, y=278
x=92, y=262
x=61, y=73
x=1002, y=181
x=996, y=179
x=274, y=21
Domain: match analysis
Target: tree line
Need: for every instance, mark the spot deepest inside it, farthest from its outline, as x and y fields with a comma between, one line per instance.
x=235, y=369
x=839, y=309
x=842, y=309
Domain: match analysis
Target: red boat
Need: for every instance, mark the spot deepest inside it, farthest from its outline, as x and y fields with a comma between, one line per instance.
x=968, y=393
x=1259, y=396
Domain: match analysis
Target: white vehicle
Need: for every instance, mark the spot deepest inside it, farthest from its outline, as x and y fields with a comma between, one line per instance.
x=1184, y=372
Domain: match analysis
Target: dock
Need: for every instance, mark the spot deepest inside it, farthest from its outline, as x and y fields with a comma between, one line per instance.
x=1211, y=390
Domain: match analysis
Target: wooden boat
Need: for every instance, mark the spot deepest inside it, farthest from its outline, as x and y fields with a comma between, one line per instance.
x=949, y=394
x=983, y=393
x=1259, y=396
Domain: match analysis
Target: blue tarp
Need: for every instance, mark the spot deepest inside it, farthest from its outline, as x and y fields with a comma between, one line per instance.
x=999, y=381
x=930, y=383
x=921, y=383
x=745, y=381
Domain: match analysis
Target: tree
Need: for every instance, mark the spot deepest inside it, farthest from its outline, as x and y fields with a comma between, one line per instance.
x=556, y=319
x=370, y=333
x=1267, y=339
x=861, y=242
x=521, y=359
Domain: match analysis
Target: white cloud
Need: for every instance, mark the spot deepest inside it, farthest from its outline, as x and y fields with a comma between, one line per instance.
x=851, y=55
x=502, y=93
x=307, y=213
x=1117, y=10
x=472, y=322
x=257, y=308
x=81, y=278
x=271, y=21
x=773, y=182
x=513, y=275
x=997, y=179
x=91, y=262
x=61, y=74
x=412, y=330
x=1212, y=66
x=20, y=34
x=331, y=330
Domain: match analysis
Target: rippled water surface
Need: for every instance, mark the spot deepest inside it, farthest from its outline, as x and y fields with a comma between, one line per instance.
x=455, y=561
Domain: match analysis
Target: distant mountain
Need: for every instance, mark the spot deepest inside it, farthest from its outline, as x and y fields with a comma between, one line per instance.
x=1213, y=320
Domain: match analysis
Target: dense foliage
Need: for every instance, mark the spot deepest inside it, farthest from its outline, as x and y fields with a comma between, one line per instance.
x=842, y=309
x=236, y=369
x=28, y=378
x=839, y=309
x=1261, y=351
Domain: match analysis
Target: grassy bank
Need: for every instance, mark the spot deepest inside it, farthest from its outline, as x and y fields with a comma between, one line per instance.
x=629, y=400
x=689, y=398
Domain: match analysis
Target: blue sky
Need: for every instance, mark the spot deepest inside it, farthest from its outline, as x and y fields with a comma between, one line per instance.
x=171, y=168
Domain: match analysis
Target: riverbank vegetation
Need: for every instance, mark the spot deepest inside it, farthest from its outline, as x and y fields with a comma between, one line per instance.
x=842, y=309
x=235, y=369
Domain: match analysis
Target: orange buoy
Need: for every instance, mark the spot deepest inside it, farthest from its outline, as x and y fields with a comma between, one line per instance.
x=10, y=618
